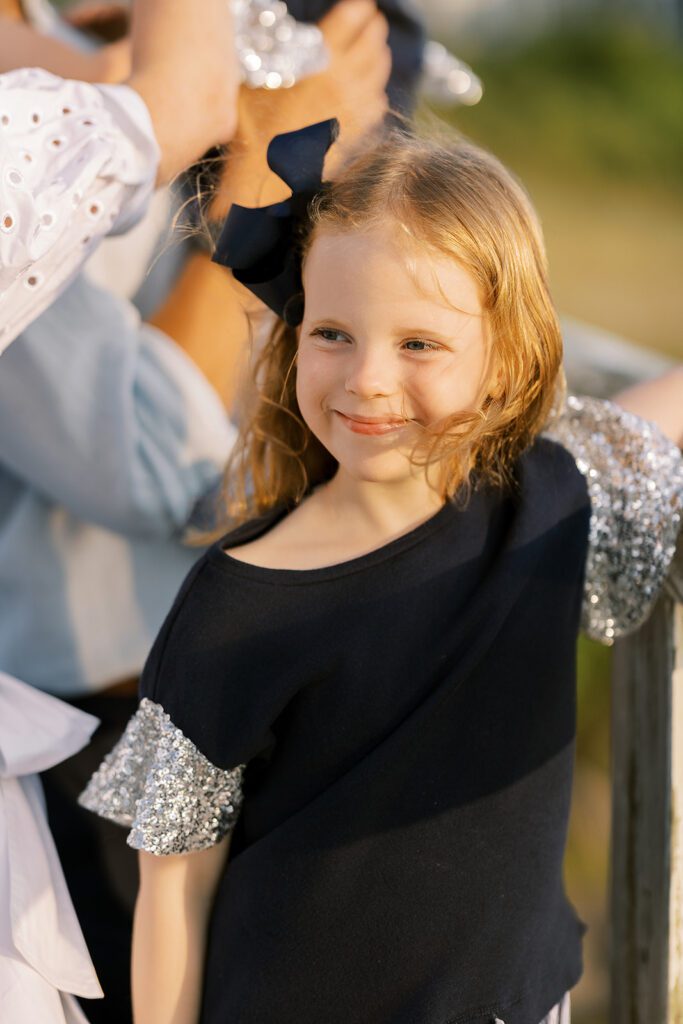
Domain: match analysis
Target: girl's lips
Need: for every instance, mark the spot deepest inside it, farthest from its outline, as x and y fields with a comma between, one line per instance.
x=370, y=425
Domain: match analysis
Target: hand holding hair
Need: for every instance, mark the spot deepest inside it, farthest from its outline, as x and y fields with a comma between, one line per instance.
x=351, y=89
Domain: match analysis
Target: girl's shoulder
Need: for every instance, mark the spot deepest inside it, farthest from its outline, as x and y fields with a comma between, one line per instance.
x=251, y=529
x=265, y=542
x=205, y=620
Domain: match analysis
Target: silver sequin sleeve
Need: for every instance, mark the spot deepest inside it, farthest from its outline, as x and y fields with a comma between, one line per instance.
x=635, y=483
x=157, y=783
x=274, y=50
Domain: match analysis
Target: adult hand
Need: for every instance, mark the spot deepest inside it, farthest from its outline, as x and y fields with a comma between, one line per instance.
x=185, y=68
x=352, y=89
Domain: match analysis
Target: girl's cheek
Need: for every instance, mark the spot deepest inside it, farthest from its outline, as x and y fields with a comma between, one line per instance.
x=442, y=394
x=310, y=389
x=434, y=381
x=315, y=372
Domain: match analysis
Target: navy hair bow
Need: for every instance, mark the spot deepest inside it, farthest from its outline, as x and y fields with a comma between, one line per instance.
x=261, y=245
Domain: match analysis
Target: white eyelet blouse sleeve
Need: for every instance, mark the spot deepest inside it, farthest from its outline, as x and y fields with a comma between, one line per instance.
x=77, y=161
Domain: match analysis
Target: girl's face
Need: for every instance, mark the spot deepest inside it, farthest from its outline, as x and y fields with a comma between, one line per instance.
x=390, y=343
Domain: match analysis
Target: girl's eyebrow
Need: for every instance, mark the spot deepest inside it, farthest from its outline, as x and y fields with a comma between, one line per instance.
x=327, y=321
x=423, y=332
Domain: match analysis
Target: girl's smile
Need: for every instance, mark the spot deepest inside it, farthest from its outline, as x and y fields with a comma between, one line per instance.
x=393, y=342
x=372, y=426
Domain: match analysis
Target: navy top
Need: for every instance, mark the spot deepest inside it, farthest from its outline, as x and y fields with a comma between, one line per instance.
x=407, y=723
x=407, y=718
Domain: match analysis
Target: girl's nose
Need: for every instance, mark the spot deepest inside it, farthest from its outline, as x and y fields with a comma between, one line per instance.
x=371, y=375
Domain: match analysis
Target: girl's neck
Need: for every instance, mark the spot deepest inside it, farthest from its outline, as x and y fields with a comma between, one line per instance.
x=341, y=520
x=378, y=510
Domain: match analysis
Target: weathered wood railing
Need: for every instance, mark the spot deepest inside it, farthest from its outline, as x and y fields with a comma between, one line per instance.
x=647, y=816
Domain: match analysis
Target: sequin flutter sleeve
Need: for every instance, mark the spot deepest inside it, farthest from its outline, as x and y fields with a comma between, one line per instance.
x=635, y=483
x=157, y=783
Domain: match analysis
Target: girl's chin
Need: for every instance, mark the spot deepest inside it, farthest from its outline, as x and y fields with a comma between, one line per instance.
x=377, y=470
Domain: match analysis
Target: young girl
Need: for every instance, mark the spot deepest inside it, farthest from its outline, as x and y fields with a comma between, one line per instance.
x=350, y=773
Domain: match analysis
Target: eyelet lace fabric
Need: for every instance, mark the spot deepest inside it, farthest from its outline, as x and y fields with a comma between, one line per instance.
x=635, y=483
x=156, y=782
x=76, y=161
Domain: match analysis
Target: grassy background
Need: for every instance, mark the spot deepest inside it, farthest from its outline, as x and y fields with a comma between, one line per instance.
x=591, y=119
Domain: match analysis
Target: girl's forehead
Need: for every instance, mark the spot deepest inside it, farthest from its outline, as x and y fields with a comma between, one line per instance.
x=383, y=262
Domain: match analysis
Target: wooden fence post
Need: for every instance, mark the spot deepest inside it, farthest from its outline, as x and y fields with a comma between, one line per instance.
x=647, y=817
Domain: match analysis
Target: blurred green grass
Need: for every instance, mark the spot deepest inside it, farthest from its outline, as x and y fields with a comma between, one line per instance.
x=603, y=101
x=591, y=119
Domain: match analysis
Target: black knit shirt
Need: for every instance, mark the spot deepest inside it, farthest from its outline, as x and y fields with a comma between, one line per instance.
x=407, y=719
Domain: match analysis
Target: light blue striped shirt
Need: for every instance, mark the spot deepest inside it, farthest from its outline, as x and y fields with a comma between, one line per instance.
x=109, y=436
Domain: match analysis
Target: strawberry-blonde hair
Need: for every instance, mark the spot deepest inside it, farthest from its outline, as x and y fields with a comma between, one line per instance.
x=451, y=198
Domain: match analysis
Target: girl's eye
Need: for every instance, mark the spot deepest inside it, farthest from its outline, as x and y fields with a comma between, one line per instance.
x=418, y=345
x=329, y=334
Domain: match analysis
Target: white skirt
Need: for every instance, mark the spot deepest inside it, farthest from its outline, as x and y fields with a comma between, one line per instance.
x=560, y=1014
x=44, y=962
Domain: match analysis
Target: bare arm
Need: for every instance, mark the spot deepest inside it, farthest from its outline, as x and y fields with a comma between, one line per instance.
x=192, y=102
x=208, y=314
x=22, y=46
x=660, y=401
x=169, y=933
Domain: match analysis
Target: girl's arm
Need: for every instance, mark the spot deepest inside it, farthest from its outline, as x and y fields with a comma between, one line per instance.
x=169, y=933
x=660, y=401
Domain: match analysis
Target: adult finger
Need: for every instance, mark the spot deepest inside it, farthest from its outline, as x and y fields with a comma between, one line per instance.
x=370, y=45
x=344, y=22
x=366, y=68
